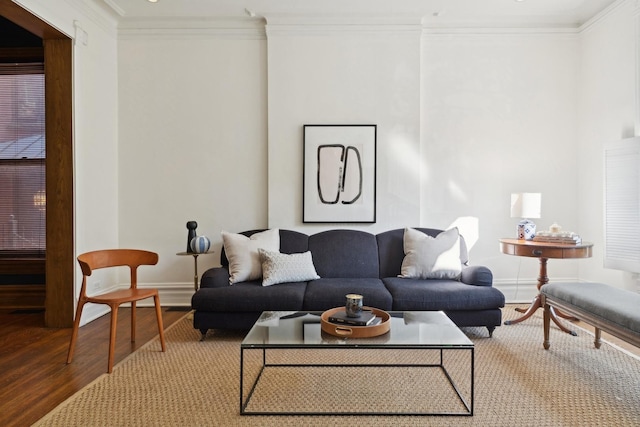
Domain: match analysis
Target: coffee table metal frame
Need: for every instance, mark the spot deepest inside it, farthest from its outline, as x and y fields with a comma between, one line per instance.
x=356, y=344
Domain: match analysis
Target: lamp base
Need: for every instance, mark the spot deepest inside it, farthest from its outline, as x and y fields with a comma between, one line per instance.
x=526, y=230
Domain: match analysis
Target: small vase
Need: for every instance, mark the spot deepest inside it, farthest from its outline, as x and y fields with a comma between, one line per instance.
x=191, y=234
x=200, y=244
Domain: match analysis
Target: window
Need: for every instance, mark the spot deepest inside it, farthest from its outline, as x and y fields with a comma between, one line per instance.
x=622, y=205
x=22, y=160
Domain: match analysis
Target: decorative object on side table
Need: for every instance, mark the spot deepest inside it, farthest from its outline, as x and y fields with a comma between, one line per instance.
x=556, y=235
x=191, y=234
x=526, y=206
x=200, y=244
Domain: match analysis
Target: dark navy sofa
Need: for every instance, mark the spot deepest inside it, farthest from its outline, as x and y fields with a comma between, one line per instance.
x=348, y=261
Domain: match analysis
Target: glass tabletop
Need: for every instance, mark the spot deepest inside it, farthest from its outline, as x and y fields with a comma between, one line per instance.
x=420, y=329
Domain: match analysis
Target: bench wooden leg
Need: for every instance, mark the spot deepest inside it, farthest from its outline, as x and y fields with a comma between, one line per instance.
x=546, y=320
x=598, y=341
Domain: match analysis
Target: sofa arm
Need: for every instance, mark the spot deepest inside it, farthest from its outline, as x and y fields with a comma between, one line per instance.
x=477, y=275
x=216, y=277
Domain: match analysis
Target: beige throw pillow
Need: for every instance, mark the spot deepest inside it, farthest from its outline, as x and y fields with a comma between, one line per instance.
x=282, y=268
x=242, y=253
x=431, y=258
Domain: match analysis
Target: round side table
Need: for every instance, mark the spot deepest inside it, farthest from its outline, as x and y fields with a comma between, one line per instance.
x=544, y=251
x=195, y=265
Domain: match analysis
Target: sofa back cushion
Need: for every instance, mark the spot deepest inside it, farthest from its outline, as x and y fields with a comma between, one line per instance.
x=391, y=250
x=291, y=242
x=345, y=254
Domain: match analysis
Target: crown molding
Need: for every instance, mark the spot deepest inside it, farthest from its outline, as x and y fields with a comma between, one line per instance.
x=117, y=9
x=98, y=14
x=439, y=32
x=602, y=16
x=191, y=28
x=370, y=25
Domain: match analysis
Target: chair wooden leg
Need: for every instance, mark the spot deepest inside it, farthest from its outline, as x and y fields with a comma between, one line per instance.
x=133, y=321
x=112, y=336
x=74, y=333
x=156, y=300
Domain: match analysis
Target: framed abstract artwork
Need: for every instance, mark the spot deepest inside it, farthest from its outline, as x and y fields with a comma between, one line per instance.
x=339, y=174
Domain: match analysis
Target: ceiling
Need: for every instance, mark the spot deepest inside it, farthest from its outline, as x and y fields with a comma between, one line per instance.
x=476, y=13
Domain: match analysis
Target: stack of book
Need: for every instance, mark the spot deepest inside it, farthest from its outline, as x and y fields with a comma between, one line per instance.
x=366, y=318
x=562, y=237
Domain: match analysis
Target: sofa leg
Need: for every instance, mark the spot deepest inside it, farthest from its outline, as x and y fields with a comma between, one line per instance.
x=491, y=329
x=203, y=334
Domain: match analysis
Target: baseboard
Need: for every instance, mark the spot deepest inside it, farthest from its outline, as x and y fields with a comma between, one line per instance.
x=22, y=296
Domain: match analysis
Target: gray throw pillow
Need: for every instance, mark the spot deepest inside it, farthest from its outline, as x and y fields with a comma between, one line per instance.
x=282, y=268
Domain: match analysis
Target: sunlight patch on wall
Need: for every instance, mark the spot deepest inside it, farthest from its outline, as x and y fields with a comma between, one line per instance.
x=456, y=192
x=468, y=227
x=404, y=154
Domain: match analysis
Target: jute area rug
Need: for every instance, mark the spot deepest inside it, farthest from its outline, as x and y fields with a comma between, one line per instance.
x=517, y=383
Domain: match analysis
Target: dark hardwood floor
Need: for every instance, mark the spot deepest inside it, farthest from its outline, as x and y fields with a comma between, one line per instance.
x=34, y=376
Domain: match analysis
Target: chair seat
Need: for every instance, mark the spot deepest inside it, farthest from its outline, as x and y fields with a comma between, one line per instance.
x=122, y=295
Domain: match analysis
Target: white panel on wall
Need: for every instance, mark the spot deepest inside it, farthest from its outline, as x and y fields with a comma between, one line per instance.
x=622, y=205
x=345, y=74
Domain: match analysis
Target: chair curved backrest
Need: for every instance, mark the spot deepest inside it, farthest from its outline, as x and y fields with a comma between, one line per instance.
x=133, y=258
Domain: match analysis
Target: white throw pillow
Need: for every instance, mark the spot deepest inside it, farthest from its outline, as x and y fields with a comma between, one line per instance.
x=242, y=253
x=282, y=268
x=431, y=258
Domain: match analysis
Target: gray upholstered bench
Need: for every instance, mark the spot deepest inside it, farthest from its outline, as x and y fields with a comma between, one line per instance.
x=614, y=310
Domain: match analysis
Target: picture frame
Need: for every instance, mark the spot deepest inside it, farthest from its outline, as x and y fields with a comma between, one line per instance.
x=339, y=173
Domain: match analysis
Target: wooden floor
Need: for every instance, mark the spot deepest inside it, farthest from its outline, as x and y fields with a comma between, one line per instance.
x=34, y=377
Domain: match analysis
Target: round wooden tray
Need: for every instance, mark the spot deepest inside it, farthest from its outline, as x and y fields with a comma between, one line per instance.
x=355, y=331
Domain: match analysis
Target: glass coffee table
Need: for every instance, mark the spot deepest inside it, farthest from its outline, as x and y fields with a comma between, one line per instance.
x=424, y=365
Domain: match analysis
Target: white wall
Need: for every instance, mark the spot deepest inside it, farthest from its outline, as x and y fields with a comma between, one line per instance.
x=610, y=76
x=192, y=132
x=499, y=118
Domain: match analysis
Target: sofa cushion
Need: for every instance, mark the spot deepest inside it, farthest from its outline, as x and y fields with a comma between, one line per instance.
x=432, y=294
x=344, y=254
x=250, y=297
x=326, y=293
x=427, y=257
x=281, y=268
x=391, y=248
x=242, y=252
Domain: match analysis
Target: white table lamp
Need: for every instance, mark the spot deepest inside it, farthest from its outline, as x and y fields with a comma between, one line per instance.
x=526, y=206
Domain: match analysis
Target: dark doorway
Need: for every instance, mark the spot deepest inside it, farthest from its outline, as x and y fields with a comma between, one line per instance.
x=59, y=261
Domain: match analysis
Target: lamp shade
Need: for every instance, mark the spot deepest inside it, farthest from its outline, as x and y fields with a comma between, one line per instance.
x=526, y=205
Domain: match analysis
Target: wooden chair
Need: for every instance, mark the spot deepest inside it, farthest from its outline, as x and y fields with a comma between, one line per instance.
x=132, y=258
